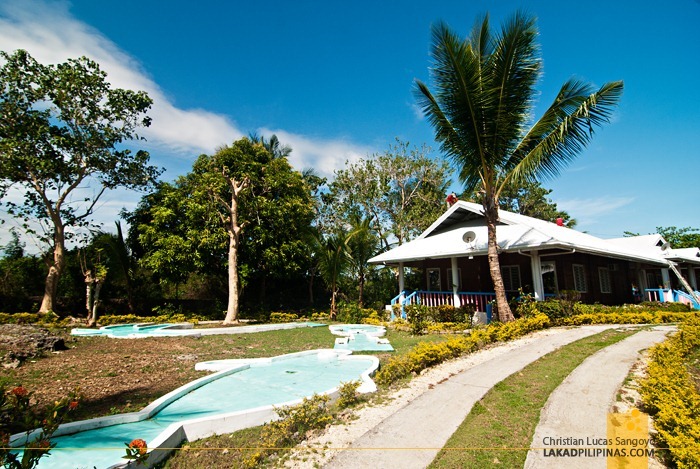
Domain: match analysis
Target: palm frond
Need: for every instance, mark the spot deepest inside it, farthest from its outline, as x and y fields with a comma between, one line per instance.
x=454, y=110
x=513, y=70
x=564, y=130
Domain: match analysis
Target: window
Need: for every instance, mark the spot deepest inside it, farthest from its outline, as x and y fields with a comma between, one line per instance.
x=549, y=278
x=434, y=280
x=580, y=284
x=459, y=279
x=604, y=278
x=511, y=277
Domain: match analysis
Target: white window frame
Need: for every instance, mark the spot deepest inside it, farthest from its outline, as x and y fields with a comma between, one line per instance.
x=507, y=272
x=605, y=280
x=581, y=275
x=439, y=278
x=459, y=278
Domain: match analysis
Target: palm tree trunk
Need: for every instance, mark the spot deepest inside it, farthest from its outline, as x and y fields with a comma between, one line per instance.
x=491, y=215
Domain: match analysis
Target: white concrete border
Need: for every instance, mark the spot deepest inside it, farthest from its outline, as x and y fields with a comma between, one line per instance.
x=338, y=329
x=187, y=329
x=195, y=429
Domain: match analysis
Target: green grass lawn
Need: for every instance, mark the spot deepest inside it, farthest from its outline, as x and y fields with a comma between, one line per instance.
x=500, y=427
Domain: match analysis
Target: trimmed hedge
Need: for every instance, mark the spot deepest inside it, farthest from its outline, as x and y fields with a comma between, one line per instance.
x=671, y=395
x=109, y=319
x=427, y=354
x=283, y=317
x=626, y=317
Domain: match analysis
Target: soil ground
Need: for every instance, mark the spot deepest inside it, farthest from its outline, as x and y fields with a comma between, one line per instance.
x=123, y=375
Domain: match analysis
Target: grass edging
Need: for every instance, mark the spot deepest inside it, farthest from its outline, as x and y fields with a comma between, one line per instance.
x=500, y=427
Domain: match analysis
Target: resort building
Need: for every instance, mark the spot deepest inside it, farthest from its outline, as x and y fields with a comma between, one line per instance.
x=540, y=258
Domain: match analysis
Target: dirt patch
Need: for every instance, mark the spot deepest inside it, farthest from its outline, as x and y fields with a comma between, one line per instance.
x=124, y=375
x=115, y=375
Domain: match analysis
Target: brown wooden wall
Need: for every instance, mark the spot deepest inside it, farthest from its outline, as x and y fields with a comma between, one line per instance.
x=475, y=275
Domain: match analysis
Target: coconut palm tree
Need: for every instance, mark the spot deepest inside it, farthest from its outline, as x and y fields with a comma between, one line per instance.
x=333, y=258
x=363, y=243
x=481, y=112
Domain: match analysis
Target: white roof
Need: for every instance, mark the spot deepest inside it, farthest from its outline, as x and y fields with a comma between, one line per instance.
x=657, y=244
x=516, y=232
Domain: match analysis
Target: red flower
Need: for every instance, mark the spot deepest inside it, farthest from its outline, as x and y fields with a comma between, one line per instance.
x=44, y=444
x=20, y=391
x=139, y=444
x=72, y=405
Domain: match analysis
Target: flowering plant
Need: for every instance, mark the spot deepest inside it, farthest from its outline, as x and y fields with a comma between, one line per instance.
x=137, y=451
x=18, y=413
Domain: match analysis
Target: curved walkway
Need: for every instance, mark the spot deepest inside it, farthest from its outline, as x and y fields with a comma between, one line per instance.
x=412, y=436
x=578, y=408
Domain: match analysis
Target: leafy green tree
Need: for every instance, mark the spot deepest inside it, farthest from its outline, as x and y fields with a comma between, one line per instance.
x=402, y=191
x=680, y=237
x=262, y=204
x=62, y=127
x=167, y=232
x=481, y=108
x=241, y=209
x=531, y=199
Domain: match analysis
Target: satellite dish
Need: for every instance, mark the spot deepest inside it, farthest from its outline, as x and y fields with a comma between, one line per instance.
x=469, y=237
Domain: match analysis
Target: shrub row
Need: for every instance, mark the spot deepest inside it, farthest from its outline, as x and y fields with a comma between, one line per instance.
x=671, y=395
x=422, y=317
x=624, y=317
x=557, y=309
x=29, y=318
x=427, y=354
x=283, y=317
x=352, y=313
x=110, y=319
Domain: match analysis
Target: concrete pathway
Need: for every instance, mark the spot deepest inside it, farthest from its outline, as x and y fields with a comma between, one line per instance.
x=578, y=408
x=412, y=437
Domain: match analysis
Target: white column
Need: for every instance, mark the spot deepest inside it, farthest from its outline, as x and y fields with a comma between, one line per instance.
x=666, y=278
x=455, y=282
x=401, y=280
x=537, y=284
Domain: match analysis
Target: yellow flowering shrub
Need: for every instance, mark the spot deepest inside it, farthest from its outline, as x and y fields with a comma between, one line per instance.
x=671, y=395
x=427, y=354
x=626, y=317
x=283, y=317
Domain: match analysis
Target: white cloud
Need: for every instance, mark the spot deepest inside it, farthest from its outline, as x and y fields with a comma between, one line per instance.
x=325, y=156
x=49, y=32
x=587, y=211
x=51, y=35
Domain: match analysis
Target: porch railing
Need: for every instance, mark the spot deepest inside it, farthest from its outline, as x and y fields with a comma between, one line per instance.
x=666, y=295
x=658, y=294
x=438, y=298
x=680, y=296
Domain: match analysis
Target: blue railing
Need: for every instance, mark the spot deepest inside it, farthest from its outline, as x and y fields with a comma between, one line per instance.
x=656, y=294
x=682, y=297
x=479, y=300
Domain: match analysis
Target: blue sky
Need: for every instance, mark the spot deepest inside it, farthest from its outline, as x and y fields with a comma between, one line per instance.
x=335, y=79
